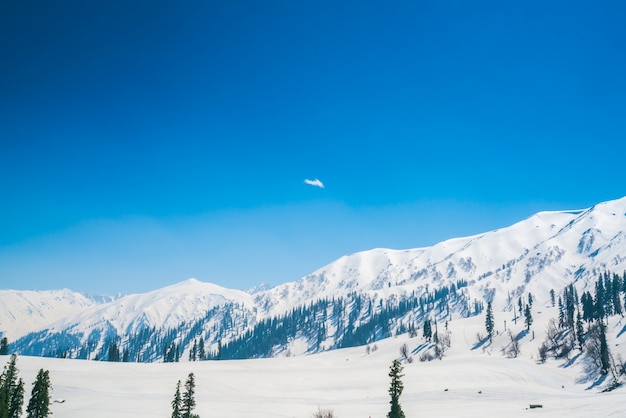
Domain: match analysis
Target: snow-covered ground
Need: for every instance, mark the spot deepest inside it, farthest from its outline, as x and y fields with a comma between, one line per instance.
x=468, y=382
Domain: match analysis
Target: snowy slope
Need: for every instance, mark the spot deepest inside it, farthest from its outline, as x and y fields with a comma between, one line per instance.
x=556, y=248
x=467, y=382
x=166, y=307
x=24, y=311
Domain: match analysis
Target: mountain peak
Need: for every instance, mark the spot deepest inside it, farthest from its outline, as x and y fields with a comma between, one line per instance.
x=190, y=282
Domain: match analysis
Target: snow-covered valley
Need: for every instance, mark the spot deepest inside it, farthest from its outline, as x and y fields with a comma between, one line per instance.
x=353, y=383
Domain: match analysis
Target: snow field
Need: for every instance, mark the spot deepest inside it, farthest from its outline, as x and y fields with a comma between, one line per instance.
x=351, y=382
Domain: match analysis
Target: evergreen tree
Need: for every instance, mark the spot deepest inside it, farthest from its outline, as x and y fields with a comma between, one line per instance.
x=604, y=350
x=201, y=353
x=17, y=400
x=561, y=313
x=177, y=402
x=4, y=399
x=580, y=331
x=489, y=325
x=428, y=332
x=4, y=346
x=113, y=352
x=600, y=312
x=528, y=317
x=588, y=307
x=11, y=390
x=39, y=403
x=617, y=304
x=172, y=354
x=189, y=401
x=395, y=390
x=193, y=356
x=570, y=306
x=552, y=297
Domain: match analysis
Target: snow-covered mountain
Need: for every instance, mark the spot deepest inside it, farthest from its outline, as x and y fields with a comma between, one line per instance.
x=166, y=307
x=545, y=252
x=23, y=311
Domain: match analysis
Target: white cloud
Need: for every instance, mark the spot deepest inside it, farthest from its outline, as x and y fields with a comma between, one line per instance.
x=316, y=183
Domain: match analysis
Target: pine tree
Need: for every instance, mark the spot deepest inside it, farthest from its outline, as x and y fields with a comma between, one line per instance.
x=528, y=317
x=189, y=401
x=4, y=346
x=588, y=308
x=113, y=352
x=570, y=306
x=193, y=353
x=600, y=312
x=4, y=406
x=428, y=332
x=17, y=400
x=617, y=304
x=177, y=403
x=489, y=325
x=580, y=331
x=395, y=390
x=201, y=353
x=39, y=403
x=604, y=350
x=11, y=390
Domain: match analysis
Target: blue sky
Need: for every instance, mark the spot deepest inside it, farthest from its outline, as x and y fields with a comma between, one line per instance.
x=149, y=142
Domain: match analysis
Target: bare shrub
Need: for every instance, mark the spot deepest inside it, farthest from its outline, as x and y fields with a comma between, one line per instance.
x=557, y=341
x=439, y=350
x=324, y=413
x=553, y=334
x=445, y=340
x=566, y=347
x=543, y=352
x=512, y=349
x=442, y=345
x=404, y=352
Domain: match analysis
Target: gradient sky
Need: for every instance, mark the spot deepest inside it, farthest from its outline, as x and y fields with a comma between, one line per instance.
x=146, y=142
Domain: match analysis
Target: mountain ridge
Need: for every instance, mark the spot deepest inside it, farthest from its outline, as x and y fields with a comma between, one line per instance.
x=544, y=252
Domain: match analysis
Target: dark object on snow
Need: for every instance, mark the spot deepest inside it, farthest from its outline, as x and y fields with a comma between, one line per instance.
x=535, y=405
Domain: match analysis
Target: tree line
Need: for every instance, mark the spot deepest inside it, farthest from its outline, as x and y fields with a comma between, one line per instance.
x=325, y=324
